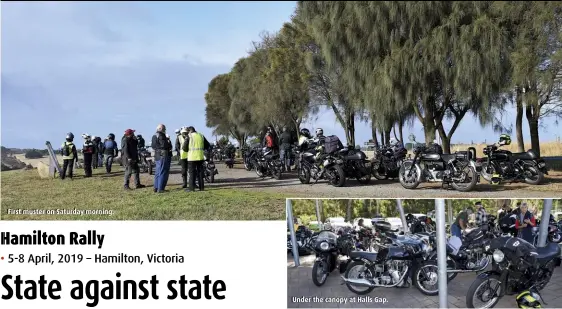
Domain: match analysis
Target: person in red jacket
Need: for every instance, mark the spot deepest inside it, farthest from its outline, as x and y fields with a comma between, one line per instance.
x=269, y=142
x=525, y=223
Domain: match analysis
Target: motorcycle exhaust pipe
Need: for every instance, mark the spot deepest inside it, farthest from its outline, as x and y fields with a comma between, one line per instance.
x=359, y=282
x=488, y=260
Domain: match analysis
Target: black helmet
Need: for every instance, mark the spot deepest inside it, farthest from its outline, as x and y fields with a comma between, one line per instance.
x=69, y=136
x=527, y=300
x=139, y=136
x=111, y=136
x=305, y=132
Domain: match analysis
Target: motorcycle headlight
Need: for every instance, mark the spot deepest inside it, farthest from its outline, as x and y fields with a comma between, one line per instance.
x=498, y=256
x=324, y=246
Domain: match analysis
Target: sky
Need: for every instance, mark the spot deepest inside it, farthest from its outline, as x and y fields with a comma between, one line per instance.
x=104, y=67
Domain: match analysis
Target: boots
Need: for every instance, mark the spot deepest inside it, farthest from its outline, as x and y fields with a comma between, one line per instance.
x=184, y=177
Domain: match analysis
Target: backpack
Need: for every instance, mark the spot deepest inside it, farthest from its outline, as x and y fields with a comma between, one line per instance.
x=67, y=149
x=332, y=144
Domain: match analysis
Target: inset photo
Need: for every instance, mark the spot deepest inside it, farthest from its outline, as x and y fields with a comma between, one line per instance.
x=392, y=253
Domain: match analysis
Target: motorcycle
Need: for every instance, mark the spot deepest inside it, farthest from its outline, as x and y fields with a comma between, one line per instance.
x=268, y=164
x=146, y=165
x=517, y=266
x=210, y=170
x=391, y=266
x=326, y=250
x=429, y=164
x=355, y=164
x=470, y=257
x=420, y=224
x=305, y=239
x=553, y=235
x=387, y=161
x=502, y=165
x=217, y=154
x=249, y=157
x=228, y=156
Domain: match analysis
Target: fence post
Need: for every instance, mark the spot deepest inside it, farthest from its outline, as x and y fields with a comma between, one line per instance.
x=441, y=252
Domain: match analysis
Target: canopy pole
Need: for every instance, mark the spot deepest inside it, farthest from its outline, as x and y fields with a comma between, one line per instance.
x=402, y=216
x=290, y=222
x=318, y=212
x=441, y=252
x=545, y=218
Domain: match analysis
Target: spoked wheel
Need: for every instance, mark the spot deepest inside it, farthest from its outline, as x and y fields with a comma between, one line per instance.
x=481, y=292
x=358, y=270
x=319, y=276
x=410, y=177
x=425, y=278
x=468, y=179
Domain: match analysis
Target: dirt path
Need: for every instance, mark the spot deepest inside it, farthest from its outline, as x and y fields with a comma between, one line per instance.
x=290, y=186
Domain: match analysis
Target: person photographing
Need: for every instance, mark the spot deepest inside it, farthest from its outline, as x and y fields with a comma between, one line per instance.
x=525, y=223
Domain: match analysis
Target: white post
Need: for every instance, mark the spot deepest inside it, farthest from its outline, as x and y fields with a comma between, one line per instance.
x=543, y=228
x=402, y=216
x=441, y=252
x=290, y=221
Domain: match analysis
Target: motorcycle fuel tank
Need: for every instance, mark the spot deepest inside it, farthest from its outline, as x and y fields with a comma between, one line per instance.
x=501, y=155
x=356, y=156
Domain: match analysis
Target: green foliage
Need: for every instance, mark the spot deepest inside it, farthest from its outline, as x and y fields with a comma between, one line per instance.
x=35, y=153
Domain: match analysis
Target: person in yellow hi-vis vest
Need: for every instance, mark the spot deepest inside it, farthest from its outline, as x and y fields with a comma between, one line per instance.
x=195, y=145
x=182, y=154
x=69, y=155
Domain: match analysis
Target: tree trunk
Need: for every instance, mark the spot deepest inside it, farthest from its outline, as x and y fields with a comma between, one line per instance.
x=348, y=213
x=519, y=120
x=533, y=120
x=382, y=137
x=350, y=127
x=374, y=133
x=387, y=132
x=428, y=129
x=321, y=210
x=400, y=127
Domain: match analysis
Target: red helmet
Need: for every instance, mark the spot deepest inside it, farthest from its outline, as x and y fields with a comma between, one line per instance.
x=129, y=132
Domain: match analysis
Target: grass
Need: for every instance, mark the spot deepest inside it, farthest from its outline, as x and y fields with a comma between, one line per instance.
x=26, y=191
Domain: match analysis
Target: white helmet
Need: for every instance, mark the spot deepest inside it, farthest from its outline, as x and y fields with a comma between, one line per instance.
x=184, y=130
x=94, y=137
x=393, y=141
x=319, y=131
x=85, y=136
x=167, y=135
x=177, y=131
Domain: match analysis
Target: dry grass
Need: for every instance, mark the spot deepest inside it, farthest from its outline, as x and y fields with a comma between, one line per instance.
x=548, y=149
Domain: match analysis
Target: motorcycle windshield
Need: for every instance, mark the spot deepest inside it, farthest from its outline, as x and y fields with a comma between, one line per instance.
x=327, y=236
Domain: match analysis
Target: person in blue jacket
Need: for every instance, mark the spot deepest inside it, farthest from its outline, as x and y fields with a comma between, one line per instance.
x=111, y=151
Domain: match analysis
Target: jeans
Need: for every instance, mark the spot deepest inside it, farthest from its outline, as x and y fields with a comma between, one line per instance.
x=132, y=168
x=161, y=173
x=108, y=163
x=285, y=156
x=100, y=159
x=456, y=230
x=167, y=165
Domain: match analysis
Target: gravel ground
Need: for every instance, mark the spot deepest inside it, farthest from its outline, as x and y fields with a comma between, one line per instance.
x=238, y=177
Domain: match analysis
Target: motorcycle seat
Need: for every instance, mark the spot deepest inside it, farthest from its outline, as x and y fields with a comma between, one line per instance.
x=529, y=155
x=370, y=256
x=548, y=252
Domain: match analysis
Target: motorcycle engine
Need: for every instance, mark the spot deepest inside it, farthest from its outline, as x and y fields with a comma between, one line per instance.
x=507, y=168
x=394, y=270
x=475, y=258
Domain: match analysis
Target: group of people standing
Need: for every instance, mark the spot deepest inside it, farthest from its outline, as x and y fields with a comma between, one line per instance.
x=192, y=155
x=524, y=223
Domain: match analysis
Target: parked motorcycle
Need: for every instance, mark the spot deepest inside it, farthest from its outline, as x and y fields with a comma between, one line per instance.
x=517, y=266
x=217, y=154
x=429, y=164
x=268, y=164
x=210, y=170
x=392, y=266
x=324, y=165
x=146, y=165
x=470, y=256
x=355, y=164
x=387, y=161
x=249, y=157
x=420, y=224
x=305, y=238
x=504, y=166
x=553, y=235
x=326, y=250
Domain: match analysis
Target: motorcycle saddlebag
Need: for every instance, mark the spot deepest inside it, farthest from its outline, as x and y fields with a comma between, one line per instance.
x=332, y=144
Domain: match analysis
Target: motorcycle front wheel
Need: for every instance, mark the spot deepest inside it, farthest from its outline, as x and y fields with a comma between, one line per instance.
x=533, y=175
x=410, y=179
x=468, y=172
x=337, y=178
x=376, y=171
x=358, y=270
x=481, y=290
x=150, y=171
x=427, y=274
x=304, y=175
x=319, y=276
x=277, y=173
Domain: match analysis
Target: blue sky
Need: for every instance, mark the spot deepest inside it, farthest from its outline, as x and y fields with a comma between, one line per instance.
x=101, y=67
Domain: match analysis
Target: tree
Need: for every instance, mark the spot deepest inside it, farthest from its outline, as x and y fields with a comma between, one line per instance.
x=33, y=154
x=218, y=108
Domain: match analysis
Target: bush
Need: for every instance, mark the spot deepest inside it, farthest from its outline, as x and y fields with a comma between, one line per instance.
x=34, y=154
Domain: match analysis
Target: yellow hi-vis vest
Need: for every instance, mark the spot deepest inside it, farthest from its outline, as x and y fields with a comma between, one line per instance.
x=71, y=155
x=183, y=154
x=196, y=147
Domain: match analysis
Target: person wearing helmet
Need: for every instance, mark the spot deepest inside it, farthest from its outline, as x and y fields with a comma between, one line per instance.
x=304, y=139
x=182, y=155
x=195, y=144
x=141, y=141
x=320, y=136
x=178, y=143
x=95, y=154
x=170, y=153
x=69, y=154
x=285, y=140
x=160, y=146
x=130, y=157
x=505, y=140
x=111, y=151
x=88, y=153
x=101, y=151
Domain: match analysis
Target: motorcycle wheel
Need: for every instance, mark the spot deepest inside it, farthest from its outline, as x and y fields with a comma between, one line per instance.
x=150, y=171
x=538, y=175
x=555, y=238
x=247, y=165
x=212, y=178
x=426, y=269
x=277, y=173
x=339, y=176
x=416, y=177
x=259, y=172
x=451, y=265
x=470, y=186
x=304, y=175
x=478, y=284
x=358, y=266
x=318, y=271
x=376, y=173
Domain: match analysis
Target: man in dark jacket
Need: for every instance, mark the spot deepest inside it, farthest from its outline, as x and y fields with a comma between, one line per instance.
x=130, y=157
x=195, y=144
x=285, y=151
x=111, y=151
x=160, y=146
x=95, y=156
x=101, y=151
